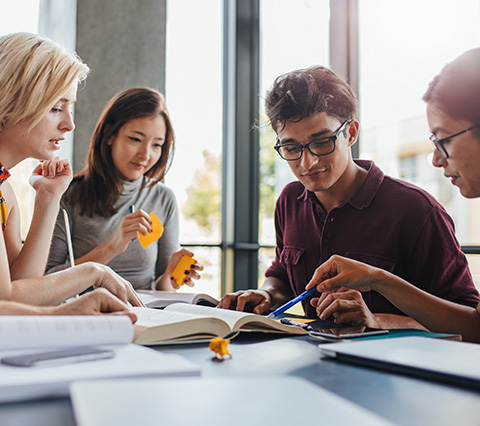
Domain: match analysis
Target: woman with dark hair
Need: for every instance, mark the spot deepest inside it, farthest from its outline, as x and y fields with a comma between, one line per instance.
x=453, y=114
x=110, y=200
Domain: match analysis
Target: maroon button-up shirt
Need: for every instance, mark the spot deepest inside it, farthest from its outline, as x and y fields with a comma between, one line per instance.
x=388, y=223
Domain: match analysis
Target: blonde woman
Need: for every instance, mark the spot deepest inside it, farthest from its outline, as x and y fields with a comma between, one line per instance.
x=38, y=87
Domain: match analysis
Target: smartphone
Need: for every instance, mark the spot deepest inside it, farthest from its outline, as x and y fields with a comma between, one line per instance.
x=318, y=335
x=67, y=356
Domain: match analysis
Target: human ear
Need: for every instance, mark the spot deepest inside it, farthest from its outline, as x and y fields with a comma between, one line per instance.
x=352, y=132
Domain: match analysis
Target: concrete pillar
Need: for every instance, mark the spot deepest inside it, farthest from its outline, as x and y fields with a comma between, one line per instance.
x=122, y=41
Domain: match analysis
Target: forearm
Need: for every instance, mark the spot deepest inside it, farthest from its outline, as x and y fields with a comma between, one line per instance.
x=32, y=258
x=14, y=308
x=103, y=254
x=432, y=312
x=278, y=290
x=54, y=288
x=163, y=282
x=391, y=321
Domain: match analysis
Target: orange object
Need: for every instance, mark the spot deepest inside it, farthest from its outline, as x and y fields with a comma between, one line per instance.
x=178, y=273
x=219, y=346
x=157, y=232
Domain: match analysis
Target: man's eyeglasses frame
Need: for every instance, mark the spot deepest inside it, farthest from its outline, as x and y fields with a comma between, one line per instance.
x=333, y=138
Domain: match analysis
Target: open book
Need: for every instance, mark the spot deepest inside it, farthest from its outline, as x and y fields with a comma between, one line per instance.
x=34, y=334
x=160, y=299
x=181, y=322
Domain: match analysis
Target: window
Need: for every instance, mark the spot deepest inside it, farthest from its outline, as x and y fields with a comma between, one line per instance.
x=293, y=34
x=398, y=58
x=194, y=98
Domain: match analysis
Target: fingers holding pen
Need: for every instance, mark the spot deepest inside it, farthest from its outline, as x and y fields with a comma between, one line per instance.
x=137, y=223
x=131, y=227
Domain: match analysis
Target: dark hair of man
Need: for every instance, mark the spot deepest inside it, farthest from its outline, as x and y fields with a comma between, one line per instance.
x=456, y=90
x=302, y=93
x=97, y=187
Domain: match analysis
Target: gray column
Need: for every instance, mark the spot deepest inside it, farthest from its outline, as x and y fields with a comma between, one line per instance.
x=123, y=42
x=240, y=185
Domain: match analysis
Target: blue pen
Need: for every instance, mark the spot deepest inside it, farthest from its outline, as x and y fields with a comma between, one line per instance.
x=292, y=302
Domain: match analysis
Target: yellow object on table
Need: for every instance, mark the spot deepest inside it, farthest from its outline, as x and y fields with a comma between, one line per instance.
x=219, y=346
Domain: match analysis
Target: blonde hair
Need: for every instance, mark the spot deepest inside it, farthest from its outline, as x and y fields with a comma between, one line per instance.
x=34, y=74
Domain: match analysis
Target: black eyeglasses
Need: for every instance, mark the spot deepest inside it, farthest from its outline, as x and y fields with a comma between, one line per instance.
x=318, y=147
x=440, y=143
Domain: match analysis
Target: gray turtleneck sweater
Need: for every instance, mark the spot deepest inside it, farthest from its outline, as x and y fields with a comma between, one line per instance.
x=140, y=267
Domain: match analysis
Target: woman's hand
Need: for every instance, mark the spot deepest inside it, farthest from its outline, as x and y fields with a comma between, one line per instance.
x=98, y=302
x=51, y=177
x=105, y=277
x=130, y=228
x=340, y=271
x=190, y=274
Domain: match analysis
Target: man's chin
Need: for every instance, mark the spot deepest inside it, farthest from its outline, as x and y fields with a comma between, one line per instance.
x=313, y=187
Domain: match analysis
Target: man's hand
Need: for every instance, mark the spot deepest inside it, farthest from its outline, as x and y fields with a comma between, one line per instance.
x=257, y=301
x=346, y=307
x=96, y=302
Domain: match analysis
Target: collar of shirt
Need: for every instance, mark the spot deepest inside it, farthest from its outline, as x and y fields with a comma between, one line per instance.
x=365, y=194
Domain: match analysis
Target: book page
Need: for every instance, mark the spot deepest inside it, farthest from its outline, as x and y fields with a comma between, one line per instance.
x=238, y=320
x=160, y=299
x=229, y=316
x=157, y=326
x=153, y=317
x=22, y=332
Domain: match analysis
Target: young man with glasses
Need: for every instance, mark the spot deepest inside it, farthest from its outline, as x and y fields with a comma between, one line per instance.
x=348, y=207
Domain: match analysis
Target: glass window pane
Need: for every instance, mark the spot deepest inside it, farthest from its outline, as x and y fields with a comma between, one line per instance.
x=398, y=58
x=293, y=34
x=21, y=15
x=194, y=98
x=210, y=258
x=474, y=265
